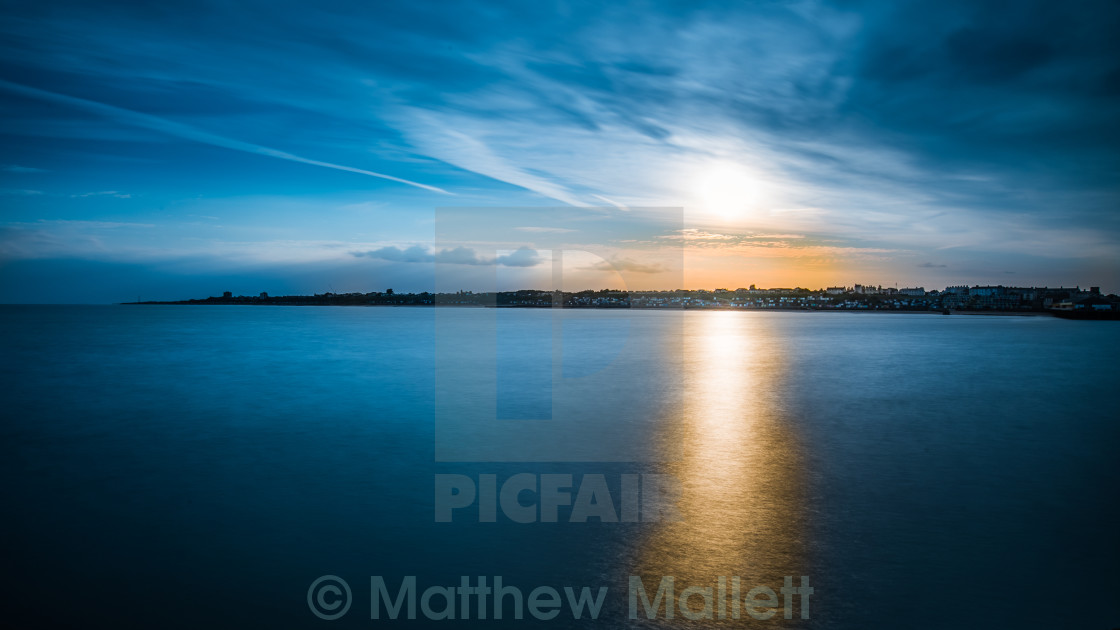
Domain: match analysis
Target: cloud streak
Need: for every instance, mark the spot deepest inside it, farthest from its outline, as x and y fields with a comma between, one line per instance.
x=186, y=132
x=522, y=257
x=625, y=264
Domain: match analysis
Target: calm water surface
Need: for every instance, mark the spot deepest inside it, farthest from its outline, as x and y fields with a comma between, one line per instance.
x=201, y=466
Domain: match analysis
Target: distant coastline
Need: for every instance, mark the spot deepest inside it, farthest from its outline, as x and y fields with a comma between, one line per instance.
x=1063, y=302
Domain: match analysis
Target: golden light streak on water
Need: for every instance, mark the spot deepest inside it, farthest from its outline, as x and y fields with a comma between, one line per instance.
x=742, y=505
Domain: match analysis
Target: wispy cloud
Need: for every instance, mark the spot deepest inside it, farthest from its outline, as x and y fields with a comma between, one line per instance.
x=696, y=234
x=89, y=224
x=60, y=238
x=522, y=257
x=625, y=264
x=544, y=230
x=186, y=132
x=447, y=140
x=105, y=193
x=16, y=168
x=612, y=202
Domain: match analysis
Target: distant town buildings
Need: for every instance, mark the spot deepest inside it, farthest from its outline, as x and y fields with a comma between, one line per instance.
x=858, y=297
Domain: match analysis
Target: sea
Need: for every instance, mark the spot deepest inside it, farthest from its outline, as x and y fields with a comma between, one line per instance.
x=269, y=466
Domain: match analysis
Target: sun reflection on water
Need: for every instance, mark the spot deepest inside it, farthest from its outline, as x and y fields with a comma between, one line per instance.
x=740, y=468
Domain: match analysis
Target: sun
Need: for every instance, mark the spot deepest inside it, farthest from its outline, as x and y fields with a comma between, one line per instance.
x=728, y=191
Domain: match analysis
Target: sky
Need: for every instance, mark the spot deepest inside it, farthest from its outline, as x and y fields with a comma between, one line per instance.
x=174, y=150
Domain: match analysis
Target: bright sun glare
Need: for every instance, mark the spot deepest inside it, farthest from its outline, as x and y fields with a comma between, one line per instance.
x=728, y=191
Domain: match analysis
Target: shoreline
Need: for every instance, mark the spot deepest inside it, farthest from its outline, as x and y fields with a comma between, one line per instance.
x=613, y=308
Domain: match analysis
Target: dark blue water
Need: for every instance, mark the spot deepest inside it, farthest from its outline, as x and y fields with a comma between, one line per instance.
x=201, y=466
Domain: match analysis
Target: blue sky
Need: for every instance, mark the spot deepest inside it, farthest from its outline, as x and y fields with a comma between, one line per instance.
x=176, y=150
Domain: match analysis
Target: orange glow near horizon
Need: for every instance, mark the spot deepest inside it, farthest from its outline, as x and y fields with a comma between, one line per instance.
x=740, y=271
x=713, y=268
